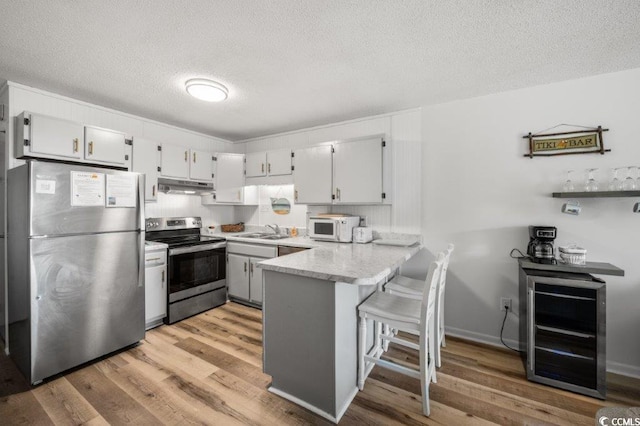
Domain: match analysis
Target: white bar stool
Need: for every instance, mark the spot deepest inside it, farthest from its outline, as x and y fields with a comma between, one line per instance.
x=403, y=314
x=412, y=288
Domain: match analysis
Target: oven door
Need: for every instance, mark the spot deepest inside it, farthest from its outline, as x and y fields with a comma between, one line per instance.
x=323, y=229
x=196, y=269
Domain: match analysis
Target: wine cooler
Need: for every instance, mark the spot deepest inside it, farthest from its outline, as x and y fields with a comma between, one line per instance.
x=565, y=330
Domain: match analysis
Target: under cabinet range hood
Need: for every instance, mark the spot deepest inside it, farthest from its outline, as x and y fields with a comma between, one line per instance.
x=171, y=186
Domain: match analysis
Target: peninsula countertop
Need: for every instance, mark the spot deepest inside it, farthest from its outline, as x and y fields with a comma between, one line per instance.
x=360, y=264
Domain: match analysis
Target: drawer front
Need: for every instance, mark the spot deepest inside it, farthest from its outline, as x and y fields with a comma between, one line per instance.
x=251, y=249
x=155, y=258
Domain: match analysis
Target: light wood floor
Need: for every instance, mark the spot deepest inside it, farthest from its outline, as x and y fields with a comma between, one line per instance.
x=208, y=370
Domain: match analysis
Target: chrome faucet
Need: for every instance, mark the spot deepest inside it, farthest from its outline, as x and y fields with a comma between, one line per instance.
x=275, y=228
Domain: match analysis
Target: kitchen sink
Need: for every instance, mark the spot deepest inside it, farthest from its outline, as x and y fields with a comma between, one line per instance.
x=265, y=236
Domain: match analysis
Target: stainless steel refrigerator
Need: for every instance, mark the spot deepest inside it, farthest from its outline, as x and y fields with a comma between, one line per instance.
x=75, y=264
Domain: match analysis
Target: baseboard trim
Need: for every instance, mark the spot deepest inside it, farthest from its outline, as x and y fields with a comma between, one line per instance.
x=612, y=367
x=304, y=404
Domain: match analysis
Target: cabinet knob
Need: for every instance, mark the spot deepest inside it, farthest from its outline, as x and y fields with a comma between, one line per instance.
x=91, y=148
x=75, y=145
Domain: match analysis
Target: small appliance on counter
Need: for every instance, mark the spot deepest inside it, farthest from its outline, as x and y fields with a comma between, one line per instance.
x=362, y=235
x=541, y=244
x=332, y=227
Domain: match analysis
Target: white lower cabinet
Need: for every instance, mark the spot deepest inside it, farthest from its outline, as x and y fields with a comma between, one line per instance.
x=244, y=278
x=155, y=287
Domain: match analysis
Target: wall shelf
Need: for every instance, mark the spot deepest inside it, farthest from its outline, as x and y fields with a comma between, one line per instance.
x=596, y=194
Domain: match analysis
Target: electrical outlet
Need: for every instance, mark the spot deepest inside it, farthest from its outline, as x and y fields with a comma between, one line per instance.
x=505, y=301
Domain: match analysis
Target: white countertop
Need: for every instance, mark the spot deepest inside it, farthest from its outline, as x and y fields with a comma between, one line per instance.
x=153, y=245
x=360, y=264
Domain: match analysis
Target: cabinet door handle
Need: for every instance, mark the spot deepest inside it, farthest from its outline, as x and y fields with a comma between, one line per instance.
x=268, y=167
x=153, y=190
x=194, y=157
x=75, y=145
x=338, y=193
x=162, y=276
x=252, y=269
x=186, y=156
x=262, y=168
x=295, y=194
x=245, y=267
x=91, y=148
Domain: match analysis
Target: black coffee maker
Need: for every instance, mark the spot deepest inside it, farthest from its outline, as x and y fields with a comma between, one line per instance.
x=541, y=244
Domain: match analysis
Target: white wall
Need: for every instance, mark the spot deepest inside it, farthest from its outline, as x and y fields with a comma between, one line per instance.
x=480, y=193
x=401, y=167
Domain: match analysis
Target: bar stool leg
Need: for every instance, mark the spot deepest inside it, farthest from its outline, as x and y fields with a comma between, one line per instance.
x=362, y=342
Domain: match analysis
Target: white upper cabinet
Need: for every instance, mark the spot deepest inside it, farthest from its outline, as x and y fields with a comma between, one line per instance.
x=201, y=167
x=344, y=172
x=279, y=162
x=312, y=175
x=179, y=162
x=145, y=160
x=256, y=164
x=270, y=163
x=357, y=171
x=175, y=161
x=229, y=177
x=104, y=145
x=39, y=135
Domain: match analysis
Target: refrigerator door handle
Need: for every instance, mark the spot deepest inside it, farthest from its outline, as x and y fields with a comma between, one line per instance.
x=141, y=259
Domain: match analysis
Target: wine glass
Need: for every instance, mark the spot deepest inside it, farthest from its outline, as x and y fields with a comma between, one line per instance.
x=615, y=184
x=629, y=184
x=568, y=184
x=591, y=185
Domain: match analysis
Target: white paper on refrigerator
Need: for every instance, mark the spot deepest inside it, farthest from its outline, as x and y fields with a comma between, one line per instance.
x=87, y=189
x=121, y=190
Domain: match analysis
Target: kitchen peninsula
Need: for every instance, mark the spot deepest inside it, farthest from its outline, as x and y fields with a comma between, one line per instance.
x=310, y=319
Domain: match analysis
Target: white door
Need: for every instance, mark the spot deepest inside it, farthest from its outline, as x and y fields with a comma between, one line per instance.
x=357, y=171
x=145, y=160
x=53, y=136
x=155, y=290
x=255, y=282
x=238, y=276
x=229, y=177
x=201, y=167
x=279, y=162
x=175, y=161
x=256, y=164
x=104, y=145
x=312, y=175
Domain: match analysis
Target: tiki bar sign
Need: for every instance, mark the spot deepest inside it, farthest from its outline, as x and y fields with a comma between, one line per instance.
x=575, y=142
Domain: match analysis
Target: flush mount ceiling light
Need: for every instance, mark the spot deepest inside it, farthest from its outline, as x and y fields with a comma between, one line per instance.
x=206, y=90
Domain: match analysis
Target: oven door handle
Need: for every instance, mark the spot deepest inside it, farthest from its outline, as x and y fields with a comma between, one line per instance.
x=196, y=248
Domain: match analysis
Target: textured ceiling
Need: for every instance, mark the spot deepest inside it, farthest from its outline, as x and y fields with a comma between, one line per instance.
x=291, y=64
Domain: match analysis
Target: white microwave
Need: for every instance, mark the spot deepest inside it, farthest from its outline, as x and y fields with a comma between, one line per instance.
x=333, y=227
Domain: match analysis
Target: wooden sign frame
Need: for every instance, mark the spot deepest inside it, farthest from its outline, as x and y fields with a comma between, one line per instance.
x=572, y=142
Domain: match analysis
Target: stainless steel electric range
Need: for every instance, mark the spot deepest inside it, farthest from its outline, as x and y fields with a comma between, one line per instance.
x=197, y=266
